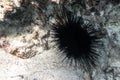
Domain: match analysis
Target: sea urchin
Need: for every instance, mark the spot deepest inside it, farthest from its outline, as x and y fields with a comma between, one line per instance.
x=76, y=39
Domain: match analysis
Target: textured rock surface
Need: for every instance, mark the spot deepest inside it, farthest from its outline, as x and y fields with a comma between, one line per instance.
x=26, y=53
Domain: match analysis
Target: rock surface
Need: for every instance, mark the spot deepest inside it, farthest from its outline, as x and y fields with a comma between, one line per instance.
x=26, y=53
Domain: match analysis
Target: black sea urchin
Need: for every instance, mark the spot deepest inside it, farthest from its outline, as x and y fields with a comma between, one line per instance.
x=76, y=40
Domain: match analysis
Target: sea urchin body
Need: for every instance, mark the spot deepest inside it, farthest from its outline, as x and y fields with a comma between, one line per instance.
x=76, y=40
